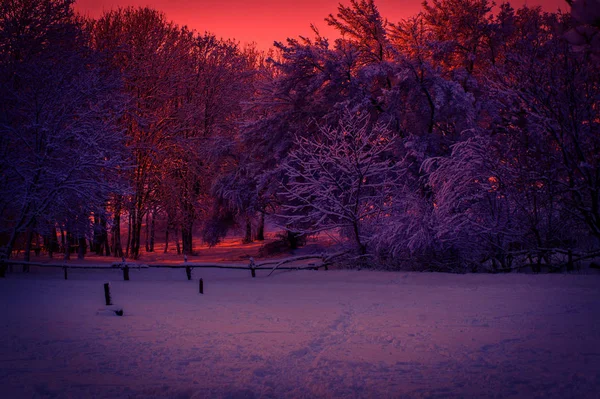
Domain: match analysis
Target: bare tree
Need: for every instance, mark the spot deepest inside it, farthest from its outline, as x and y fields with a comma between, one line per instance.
x=344, y=178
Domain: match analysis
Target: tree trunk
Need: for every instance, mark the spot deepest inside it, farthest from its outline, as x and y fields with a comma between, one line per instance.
x=100, y=241
x=260, y=231
x=82, y=247
x=38, y=245
x=104, y=225
x=136, y=238
x=116, y=235
x=248, y=236
x=187, y=240
x=52, y=242
x=137, y=213
x=166, y=240
x=362, y=249
x=96, y=245
x=137, y=219
x=66, y=244
x=152, y=231
x=28, y=239
x=147, y=235
x=15, y=232
x=292, y=239
x=128, y=235
x=177, y=242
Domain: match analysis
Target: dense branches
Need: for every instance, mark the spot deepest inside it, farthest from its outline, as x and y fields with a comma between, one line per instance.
x=343, y=179
x=60, y=142
x=463, y=138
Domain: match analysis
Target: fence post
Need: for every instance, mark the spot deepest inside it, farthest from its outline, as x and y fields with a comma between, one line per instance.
x=188, y=269
x=201, y=286
x=107, y=294
x=2, y=268
x=125, y=268
x=252, y=267
x=65, y=271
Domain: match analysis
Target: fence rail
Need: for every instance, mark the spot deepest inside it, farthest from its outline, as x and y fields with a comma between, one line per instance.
x=322, y=262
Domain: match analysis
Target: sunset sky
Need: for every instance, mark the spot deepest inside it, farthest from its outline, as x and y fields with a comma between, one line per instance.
x=263, y=21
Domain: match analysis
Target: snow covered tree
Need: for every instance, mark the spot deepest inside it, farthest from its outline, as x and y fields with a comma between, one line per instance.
x=153, y=56
x=550, y=91
x=362, y=24
x=585, y=35
x=475, y=219
x=344, y=178
x=59, y=142
x=460, y=33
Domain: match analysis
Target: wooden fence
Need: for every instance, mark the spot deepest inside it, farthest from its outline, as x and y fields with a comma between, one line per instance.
x=319, y=261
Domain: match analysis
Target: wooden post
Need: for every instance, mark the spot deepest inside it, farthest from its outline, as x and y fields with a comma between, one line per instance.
x=65, y=271
x=252, y=268
x=201, y=286
x=188, y=270
x=2, y=268
x=126, y=273
x=107, y=294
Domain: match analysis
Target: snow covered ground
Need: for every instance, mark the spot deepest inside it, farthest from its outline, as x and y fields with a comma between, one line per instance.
x=299, y=334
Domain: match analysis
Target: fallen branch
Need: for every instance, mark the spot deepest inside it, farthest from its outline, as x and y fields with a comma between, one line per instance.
x=325, y=261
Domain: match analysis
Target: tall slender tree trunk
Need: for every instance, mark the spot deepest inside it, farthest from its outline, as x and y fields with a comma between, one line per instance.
x=152, y=232
x=136, y=237
x=137, y=222
x=105, y=246
x=177, y=242
x=248, y=236
x=128, y=235
x=166, y=240
x=52, y=242
x=38, y=245
x=66, y=244
x=147, y=231
x=260, y=231
x=116, y=235
x=95, y=244
x=82, y=247
x=62, y=240
x=187, y=239
x=28, y=239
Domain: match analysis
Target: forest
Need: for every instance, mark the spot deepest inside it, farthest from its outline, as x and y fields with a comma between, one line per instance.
x=464, y=138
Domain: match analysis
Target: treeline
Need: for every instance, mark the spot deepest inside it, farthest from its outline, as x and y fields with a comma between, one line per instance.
x=464, y=138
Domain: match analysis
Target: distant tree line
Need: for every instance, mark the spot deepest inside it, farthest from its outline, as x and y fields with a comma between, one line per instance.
x=464, y=138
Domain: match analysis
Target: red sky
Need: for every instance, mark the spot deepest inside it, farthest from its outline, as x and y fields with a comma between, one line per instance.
x=263, y=21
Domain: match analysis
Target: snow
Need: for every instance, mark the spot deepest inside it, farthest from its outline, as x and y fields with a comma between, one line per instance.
x=299, y=334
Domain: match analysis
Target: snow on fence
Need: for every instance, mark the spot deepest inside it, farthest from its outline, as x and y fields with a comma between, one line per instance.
x=323, y=261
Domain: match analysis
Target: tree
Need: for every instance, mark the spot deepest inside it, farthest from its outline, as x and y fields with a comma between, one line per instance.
x=460, y=33
x=342, y=179
x=60, y=143
x=552, y=91
x=153, y=56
